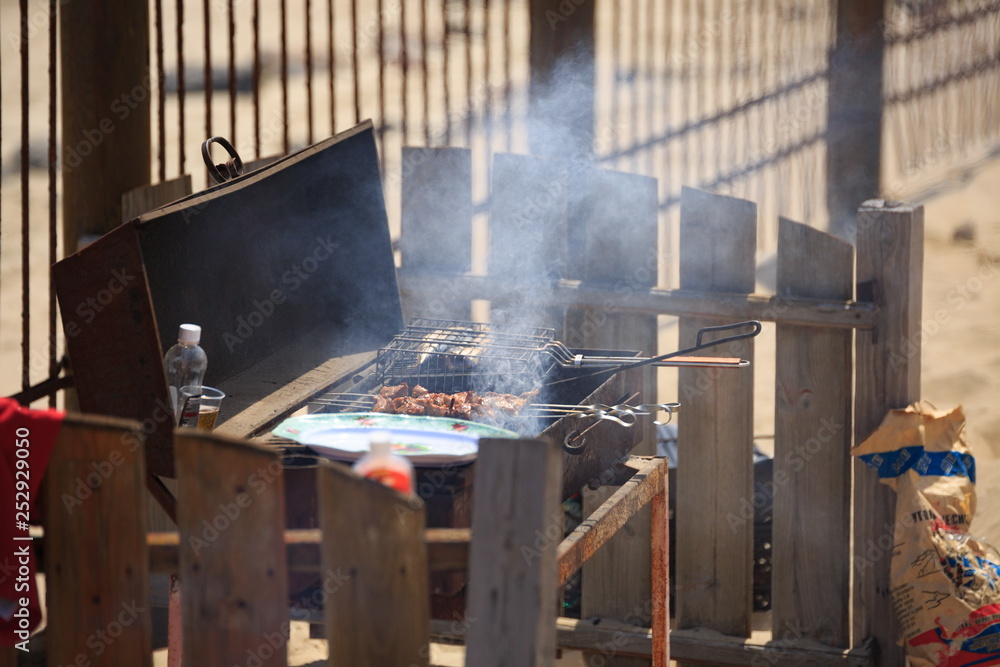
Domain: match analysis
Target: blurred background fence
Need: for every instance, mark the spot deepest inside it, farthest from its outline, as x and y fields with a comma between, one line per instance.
x=804, y=107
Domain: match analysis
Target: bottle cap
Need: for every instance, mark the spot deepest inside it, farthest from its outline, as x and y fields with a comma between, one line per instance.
x=189, y=333
x=380, y=443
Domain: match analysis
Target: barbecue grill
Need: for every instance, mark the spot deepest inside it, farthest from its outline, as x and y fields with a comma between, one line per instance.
x=289, y=269
x=448, y=356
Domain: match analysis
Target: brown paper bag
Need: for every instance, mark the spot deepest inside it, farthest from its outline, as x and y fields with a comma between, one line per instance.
x=945, y=583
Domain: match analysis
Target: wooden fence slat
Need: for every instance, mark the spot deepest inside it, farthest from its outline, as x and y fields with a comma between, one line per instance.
x=375, y=559
x=517, y=527
x=890, y=270
x=715, y=430
x=612, y=244
x=436, y=232
x=231, y=519
x=528, y=235
x=97, y=573
x=812, y=475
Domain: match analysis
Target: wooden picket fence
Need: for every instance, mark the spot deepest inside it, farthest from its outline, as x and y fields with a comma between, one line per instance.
x=371, y=555
x=579, y=249
x=584, y=255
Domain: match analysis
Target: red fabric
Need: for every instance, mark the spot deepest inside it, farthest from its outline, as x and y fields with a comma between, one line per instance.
x=34, y=431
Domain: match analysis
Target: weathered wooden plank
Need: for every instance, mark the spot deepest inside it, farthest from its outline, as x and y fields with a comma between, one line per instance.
x=570, y=293
x=609, y=638
x=890, y=268
x=147, y=197
x=97, y=574
x=715, y=432
x=854, y=111
x=102, y=289
x=603, y=523
x=562, y=87
x=231, y=519
x=447, y=550
x=812, y=475
x=373, y=546
x=105, y=151
x=512, y=564
x=436, y=226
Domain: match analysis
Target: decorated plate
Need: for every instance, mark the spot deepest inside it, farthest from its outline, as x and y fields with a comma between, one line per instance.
x=426, y=441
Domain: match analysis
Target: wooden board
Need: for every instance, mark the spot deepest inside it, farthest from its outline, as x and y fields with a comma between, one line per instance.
x=517, y=527
x=97, y=572
x=436, y=231
x=812, y=470
x=715, y=427
x=890, y=270
x=112, y=339
x=231, y=519
x=373, y=549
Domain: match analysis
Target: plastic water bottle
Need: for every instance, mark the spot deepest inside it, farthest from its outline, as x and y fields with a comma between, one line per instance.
x=185, y=363
x=385, y=467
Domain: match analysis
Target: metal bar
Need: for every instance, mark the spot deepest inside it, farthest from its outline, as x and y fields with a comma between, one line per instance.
x=161, y=96
x=53, y=203
x=404, y=83
x=181, y=139
x=660, y=576
x=354, y=61
x=488, y=87
x=445, y=84
x=25, y=230
x=508, y=84
x=424, y=57
x=231, y=21
x=380, y=45
x=331, y=66
x=805, y=312
x=470, y=110
x=648, y=482
x=310, y=123
x=207, y=87
x=255, y=21
x=285, y=138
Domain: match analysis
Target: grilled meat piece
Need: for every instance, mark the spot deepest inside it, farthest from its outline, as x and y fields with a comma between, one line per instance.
x=466, y=405
x=395, y=391
x=383, y=404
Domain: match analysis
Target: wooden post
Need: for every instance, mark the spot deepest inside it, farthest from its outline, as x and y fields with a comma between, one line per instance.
x=854, y=112
x=812, y=470
x=890, y=272
x=517, y=528
x=106, y=92
x=715, y=428
x=376, y=585
x=97, y=570
x=561, y=92
x=231, y=519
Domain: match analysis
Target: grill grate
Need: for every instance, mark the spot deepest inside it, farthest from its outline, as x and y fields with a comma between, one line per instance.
x=446, y=355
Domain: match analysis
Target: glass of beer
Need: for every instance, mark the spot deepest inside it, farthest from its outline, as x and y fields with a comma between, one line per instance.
x=200, y=406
